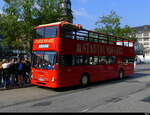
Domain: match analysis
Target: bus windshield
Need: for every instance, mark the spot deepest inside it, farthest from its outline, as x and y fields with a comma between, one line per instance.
x=43, y=60
x=46, y=32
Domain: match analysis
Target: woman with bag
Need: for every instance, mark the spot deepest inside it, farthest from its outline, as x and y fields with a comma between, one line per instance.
x=6, y=76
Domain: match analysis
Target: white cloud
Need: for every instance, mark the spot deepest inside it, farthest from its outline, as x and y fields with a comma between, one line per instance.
x=83, y=13
x=80, y=12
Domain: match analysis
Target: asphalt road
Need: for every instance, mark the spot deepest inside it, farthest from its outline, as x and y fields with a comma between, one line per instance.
x=129, y=95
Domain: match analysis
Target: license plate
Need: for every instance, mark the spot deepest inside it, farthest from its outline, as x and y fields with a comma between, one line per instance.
x=43, y=46
x=40, y=79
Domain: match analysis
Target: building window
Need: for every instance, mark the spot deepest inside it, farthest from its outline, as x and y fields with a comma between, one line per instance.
x=146, y=34
x=146, y=43
x=146, y=47
x=146, y=39
x=139, y=35
x=140, y=39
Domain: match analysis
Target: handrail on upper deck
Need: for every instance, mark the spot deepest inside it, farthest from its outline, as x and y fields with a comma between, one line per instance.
x=96, y=35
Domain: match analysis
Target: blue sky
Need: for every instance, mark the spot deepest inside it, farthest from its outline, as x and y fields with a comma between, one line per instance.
x=133, y=12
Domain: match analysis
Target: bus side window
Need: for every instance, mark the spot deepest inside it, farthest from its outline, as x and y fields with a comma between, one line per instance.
x=128, y=60
x=62, y=62
x=67, y=60
x=131, y=60
x=111, y=59
x=79, y=60
x=67, y=33
x=95, y=60
x=125, y=60
x=91, y=60
x=85, y=60
x=103, y=60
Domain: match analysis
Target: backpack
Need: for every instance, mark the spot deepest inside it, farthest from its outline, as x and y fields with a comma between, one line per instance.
x=20, y=66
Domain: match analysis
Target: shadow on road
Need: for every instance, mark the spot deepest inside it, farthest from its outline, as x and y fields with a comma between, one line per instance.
x=99, y=84
x=143, y=69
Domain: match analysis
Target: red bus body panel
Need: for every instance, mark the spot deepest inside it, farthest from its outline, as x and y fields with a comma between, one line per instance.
x=43, y=77
x=69, y=46
x=51, y=42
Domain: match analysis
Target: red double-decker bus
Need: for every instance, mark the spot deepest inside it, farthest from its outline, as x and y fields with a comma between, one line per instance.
x=65, y=55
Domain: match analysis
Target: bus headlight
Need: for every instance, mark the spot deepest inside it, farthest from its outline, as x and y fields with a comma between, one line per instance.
x=53, y=79
x=32, y=76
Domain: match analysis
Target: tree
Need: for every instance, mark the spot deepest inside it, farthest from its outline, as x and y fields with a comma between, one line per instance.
x=10, y=29
x=20, y=16
x=111, y=24
x=139, y=48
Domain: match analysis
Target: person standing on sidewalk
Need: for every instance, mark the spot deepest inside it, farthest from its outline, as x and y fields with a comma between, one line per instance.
x=1, y=69
x=27, y=69
x=6, y=76
x=19, y=68
x=13, y=73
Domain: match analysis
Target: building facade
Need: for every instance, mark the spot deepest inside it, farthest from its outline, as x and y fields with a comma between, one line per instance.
x=143, y=37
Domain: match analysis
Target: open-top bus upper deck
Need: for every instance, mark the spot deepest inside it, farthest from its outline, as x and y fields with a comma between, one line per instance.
x=56, y=36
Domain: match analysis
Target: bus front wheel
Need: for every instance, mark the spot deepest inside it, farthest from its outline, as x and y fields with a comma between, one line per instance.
x=84, y=80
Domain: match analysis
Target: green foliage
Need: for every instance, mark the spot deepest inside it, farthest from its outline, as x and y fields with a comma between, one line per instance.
x=111, y=24
x=20, y=16
x=139, y=48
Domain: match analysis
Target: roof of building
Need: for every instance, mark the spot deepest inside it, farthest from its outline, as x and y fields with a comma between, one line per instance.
x=144, y=28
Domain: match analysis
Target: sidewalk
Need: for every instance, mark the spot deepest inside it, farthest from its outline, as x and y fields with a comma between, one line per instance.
x=25, y=86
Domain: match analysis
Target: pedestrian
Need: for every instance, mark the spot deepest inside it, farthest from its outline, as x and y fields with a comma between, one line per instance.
x=24, y=71
x=1, y=70
x=27, y=70
x=19, y=68
x=6, y=76
x=13, y=73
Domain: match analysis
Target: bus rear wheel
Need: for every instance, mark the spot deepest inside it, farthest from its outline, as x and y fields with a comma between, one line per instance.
x=84, y=80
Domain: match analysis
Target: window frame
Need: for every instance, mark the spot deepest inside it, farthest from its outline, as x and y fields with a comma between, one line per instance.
x=44, y=32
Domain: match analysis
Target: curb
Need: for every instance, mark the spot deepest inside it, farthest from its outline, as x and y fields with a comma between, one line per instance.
x=26, y=86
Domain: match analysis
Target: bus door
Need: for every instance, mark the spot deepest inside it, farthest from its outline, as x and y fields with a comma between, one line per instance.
x=68, y=72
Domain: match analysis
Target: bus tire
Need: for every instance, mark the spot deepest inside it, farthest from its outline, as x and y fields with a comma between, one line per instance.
x=121, y=74
x=84, y=80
